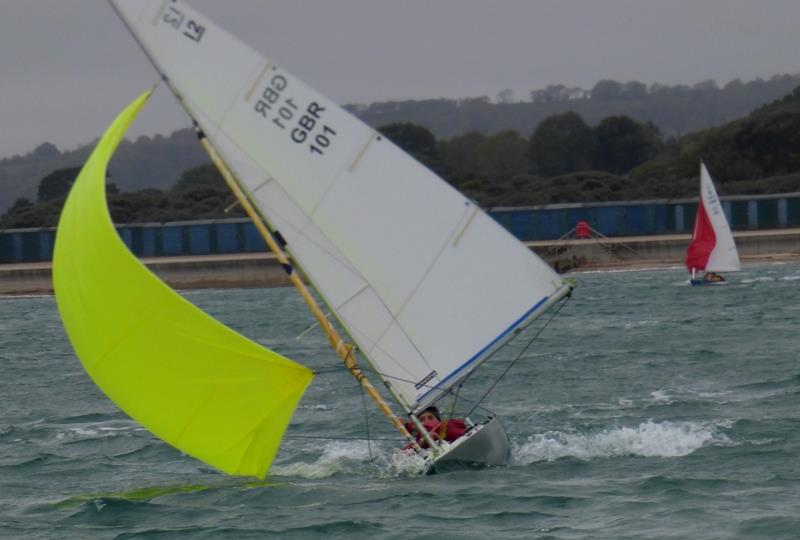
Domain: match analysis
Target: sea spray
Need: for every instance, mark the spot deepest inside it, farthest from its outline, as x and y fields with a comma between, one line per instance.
x=648, y=439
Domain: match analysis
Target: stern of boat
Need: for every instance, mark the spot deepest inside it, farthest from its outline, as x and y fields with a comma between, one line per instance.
x=486, y=444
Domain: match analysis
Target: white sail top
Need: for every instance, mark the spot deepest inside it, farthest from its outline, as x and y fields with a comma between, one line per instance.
x=425, y=282
x=724, y=257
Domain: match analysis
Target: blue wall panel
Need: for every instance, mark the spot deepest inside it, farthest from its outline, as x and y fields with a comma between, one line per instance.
x=173, y=240
x=199, y=239
x=541, y=223
x=227, y=238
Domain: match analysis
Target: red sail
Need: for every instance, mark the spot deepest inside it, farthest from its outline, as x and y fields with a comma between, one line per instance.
x=703, y=240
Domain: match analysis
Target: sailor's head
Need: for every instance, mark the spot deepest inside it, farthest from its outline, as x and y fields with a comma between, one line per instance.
x=428, y=414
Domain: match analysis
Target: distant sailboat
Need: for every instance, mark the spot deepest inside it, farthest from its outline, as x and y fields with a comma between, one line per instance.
x=426, y=285
x=712, y=248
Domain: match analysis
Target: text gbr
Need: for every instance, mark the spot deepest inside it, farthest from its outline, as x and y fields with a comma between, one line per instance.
x=308, y=127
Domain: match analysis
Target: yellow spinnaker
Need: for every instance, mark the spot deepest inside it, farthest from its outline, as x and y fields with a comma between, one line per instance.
x=186, y=377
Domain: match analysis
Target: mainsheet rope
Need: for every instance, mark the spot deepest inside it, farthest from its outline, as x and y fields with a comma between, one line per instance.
x=524, y=349
x=476, y=404
x=456, y=396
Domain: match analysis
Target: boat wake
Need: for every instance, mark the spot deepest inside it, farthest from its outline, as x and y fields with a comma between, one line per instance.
x=352, y=457
x=649, y=439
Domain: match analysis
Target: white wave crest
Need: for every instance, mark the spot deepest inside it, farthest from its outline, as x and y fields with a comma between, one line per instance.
x=351, y=457
x=758, y=280
x=649, y=439
x=319, y=407
x=337, y=457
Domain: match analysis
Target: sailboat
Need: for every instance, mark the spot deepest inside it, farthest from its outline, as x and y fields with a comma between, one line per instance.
x=426, y=285
x=712, y=248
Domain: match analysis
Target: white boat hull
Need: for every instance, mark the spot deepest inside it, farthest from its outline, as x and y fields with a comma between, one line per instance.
x=485, y=444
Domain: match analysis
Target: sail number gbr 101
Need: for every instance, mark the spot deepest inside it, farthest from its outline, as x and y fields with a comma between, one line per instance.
x=304, y=125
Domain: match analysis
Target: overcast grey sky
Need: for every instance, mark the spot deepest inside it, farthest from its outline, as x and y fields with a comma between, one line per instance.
x=68, y=66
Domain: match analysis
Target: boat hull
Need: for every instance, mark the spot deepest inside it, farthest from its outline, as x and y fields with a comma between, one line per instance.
x=699, y=282
x=485, y=444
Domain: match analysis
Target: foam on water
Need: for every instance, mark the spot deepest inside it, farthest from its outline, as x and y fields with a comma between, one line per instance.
x=762, y=279
x=627, y=270
x=353, y=457
x=649, y=439
x=337, y=457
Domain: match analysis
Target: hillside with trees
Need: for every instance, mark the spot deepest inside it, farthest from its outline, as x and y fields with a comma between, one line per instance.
x=200, y=193
x=148, y=162
x=676, y=109
x=565, y=159
x=157, y=162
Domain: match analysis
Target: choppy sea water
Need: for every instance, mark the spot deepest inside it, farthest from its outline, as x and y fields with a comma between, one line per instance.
x=645, y=409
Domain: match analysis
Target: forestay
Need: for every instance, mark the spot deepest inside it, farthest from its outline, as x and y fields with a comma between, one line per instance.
x=425, y=282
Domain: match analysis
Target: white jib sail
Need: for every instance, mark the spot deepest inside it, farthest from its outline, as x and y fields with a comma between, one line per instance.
x=425, y=282
x=724, y=257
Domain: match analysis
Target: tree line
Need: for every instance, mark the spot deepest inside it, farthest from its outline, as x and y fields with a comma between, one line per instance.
x=156, y=162
x=675, y=109
x=200, y=193
x=564, y=160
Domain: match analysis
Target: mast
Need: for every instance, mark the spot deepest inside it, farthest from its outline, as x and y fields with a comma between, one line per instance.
x=404, y=261
x=345, y=351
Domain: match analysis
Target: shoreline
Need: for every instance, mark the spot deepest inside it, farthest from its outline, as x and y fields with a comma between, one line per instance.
x=566, y=256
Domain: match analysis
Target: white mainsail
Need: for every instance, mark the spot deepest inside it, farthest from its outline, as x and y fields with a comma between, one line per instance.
x=425, y=283
x=724, y=257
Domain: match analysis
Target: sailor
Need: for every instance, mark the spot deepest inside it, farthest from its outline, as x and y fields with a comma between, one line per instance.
x=713, y=277
x=431, y=420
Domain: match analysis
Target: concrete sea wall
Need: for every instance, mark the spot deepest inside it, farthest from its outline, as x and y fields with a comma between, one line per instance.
x=262, y=270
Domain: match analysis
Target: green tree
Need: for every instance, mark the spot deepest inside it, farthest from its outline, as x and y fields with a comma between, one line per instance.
x=416, y=140
x=561, y=144
x=502, y=156
x=203, y=176
x=201, y=193
x=623, y=143
x=57, y=183
x=460, y=157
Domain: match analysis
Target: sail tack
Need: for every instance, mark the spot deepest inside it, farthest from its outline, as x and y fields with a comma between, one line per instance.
x=425, y=282
x=712, y=247
x=189, y=379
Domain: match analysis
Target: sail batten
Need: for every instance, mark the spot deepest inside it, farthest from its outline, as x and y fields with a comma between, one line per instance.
x=418, y=275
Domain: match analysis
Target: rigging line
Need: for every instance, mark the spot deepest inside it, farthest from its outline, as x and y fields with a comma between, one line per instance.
x=337, y=256
x=328, y=370
x=445, y=391
x=220, y=132
x=524, y=349
x=366, y=416
x=366, y=424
